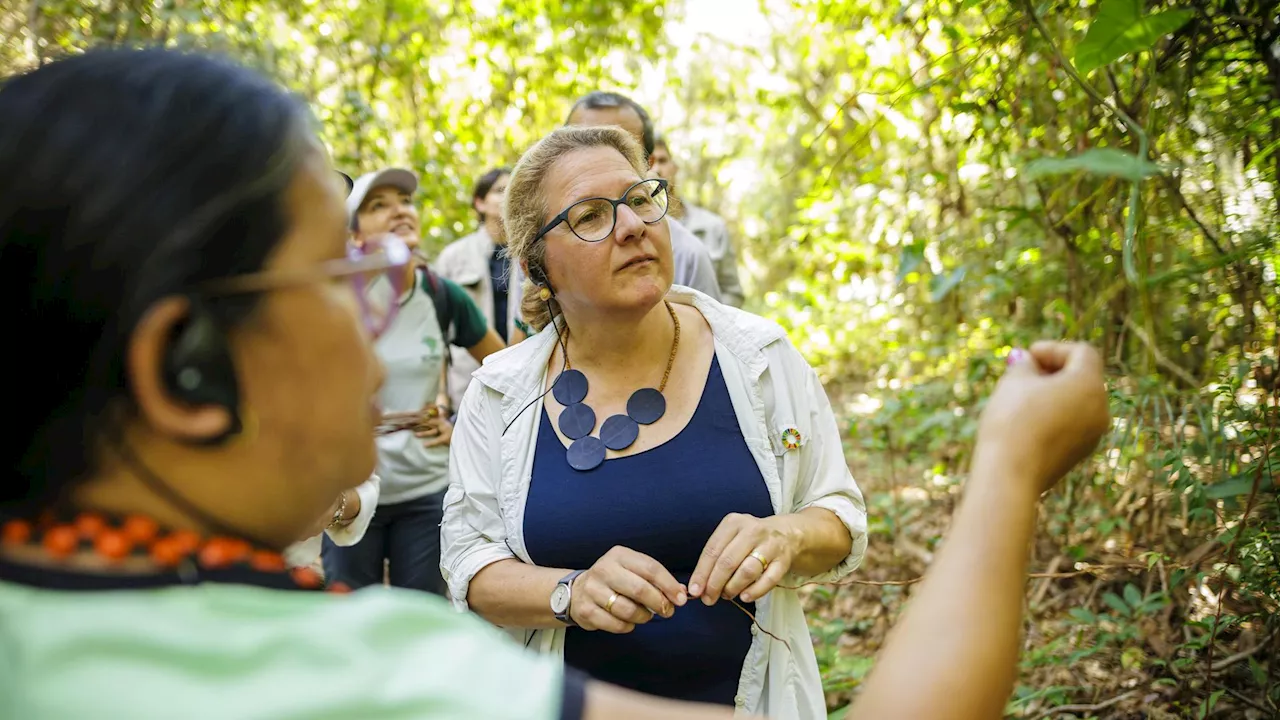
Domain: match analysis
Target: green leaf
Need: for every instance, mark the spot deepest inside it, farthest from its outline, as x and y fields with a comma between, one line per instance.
x=941, y=285
x=1116, y=603
x=1259, y=672
x=1207, y=706
x=1097, y=161
x=1132, y=595
x=838, y=713
x=1082, y=616
x=1239, y=485
x=1120, y=29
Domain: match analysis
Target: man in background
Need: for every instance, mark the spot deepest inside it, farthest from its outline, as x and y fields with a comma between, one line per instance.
x=707, y=226
x=693, y=265
x=479, y=264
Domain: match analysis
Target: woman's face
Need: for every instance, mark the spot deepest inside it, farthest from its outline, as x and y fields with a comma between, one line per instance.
x=629, y=271
x=306, y=366
x=388, y=209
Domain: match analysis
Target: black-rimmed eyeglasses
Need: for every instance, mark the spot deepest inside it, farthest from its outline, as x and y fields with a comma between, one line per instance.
x=593, y=219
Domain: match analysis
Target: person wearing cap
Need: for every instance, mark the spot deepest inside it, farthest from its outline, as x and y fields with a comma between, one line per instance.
x=478, y=262
x=348, y=518
x=692, y=260
x=707, y=226
x=412, y=463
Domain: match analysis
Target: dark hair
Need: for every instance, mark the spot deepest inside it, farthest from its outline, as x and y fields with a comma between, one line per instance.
x=660, y=141
x=485, y=184
x=602, y=99
x=126, y=176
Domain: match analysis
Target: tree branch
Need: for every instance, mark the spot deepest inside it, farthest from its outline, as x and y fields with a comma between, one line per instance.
x=1247, y=701
x=1086, y=708
x=1131, y=222
x=1209, y=235
x=1160, y=358
x=1230, y=660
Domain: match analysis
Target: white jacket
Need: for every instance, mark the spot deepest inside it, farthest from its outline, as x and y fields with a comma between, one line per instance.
x=772, y=389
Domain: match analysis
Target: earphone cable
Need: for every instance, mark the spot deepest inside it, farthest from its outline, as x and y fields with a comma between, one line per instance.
x=564, y=348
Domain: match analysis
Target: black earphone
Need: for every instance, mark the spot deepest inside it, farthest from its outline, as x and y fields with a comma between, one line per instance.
x=198, y=369
x=539, y=276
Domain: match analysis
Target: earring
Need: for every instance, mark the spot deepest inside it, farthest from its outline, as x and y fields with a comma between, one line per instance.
x=544, y=294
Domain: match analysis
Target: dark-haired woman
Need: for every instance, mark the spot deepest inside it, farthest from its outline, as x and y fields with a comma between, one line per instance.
x=479, y=263
x=433, y=315
x=173, y=222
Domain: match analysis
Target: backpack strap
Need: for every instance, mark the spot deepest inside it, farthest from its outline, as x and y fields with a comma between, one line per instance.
x=433, y=285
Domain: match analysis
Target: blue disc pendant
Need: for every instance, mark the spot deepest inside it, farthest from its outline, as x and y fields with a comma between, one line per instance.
x=570, y=388
x=646, y=406
x=618, y=432
x=585, y=454
x=577, y=421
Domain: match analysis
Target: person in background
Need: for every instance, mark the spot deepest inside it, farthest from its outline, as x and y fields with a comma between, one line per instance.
x=214, y=388
x=707, y=226
x=693, y=265
x=433, y=313
x=348, y=518
x=479, y=264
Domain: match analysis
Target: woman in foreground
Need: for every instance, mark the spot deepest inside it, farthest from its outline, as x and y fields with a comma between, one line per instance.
x=683, y=462
x=174, y=223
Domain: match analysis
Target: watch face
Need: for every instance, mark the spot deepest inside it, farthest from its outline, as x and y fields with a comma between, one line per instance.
x=560, y=599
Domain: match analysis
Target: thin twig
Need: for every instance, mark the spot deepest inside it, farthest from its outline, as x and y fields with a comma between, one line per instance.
x=1086, y=708
x=1086, y=570
x=1160, y=358
x=756, y=622
x=1247, y=701
x=1227, y=662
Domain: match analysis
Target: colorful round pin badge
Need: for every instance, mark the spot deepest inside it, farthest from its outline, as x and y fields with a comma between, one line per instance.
x=791, y=438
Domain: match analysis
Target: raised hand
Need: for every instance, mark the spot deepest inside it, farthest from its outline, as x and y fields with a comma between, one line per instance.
x=1048, y=411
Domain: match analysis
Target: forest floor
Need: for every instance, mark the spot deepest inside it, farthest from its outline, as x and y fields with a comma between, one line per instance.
x=1099, y=641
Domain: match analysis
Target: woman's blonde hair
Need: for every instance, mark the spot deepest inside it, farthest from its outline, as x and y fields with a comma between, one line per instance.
x=524, y=208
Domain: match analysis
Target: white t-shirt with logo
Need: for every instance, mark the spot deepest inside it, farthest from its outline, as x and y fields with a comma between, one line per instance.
x=412, y=350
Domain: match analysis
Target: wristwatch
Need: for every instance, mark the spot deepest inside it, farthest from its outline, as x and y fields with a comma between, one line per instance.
x=562, y=597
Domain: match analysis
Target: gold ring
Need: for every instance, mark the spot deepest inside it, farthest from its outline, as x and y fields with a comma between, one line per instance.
x=764, y=563
x=608, y=607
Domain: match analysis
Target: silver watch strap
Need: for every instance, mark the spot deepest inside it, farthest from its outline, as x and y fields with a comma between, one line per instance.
x=567, y=581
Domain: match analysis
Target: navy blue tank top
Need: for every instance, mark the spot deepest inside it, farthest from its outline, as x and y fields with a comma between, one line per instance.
x=664, y=502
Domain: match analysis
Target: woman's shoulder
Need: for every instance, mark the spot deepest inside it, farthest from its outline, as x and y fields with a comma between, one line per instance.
x=215, y=646
x=741, y=330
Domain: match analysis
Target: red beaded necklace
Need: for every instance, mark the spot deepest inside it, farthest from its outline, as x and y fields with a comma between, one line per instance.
x=115, y=539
